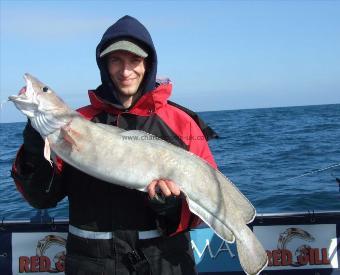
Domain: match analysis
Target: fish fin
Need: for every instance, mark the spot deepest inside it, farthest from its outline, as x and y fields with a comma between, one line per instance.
x=220, y=229
x=47, y=151
x=70, y=135
x=253, y=258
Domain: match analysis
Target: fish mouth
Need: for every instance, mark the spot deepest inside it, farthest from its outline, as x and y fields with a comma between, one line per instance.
x=25, y=96
x=20, y=99
x=24, y=104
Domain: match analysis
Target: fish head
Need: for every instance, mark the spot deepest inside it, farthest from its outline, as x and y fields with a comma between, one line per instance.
x=35, y=98
x=40, y=104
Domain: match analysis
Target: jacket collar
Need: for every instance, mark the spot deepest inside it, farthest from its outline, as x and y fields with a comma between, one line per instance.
x=145, y=106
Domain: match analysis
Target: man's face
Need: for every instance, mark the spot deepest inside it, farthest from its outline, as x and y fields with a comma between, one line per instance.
x=126, y=71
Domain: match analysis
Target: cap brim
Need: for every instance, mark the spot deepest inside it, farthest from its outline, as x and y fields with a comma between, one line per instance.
x=124, y=45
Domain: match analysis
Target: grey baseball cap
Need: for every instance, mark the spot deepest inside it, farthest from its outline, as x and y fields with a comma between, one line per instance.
x=124, y=45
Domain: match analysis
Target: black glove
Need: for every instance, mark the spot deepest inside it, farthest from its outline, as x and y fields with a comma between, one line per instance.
x=163, y=205
x=168, y=210
x=33, y=142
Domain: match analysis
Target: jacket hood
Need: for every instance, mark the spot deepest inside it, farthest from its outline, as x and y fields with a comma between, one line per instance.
x=129, y=28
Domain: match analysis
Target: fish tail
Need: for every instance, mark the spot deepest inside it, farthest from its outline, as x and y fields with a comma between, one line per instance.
x=253, y=258
x=252, y=255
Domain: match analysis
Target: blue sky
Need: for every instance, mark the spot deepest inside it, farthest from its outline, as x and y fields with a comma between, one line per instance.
x=220, y=55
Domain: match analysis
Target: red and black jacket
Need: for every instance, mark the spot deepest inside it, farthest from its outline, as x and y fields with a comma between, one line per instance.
x=98, y=206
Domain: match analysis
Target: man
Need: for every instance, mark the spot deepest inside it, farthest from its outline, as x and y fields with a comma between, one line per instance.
x=115, y=230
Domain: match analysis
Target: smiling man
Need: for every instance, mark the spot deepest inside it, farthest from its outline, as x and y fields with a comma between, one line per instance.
x=116, y=230
x=126, y=66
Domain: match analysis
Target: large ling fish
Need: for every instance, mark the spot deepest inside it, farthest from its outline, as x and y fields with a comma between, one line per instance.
x=138, y=159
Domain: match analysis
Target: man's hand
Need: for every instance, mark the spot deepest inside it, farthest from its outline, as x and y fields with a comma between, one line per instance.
x=165, y=200
x=166, y=187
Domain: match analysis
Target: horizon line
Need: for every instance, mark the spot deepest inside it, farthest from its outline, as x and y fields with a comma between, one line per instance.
x=243, y=109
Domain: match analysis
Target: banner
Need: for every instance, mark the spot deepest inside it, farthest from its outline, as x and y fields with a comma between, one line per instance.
x=42, y=252
x=299, y=246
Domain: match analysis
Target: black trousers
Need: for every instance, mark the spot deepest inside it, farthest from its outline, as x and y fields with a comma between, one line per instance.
x=125, y=254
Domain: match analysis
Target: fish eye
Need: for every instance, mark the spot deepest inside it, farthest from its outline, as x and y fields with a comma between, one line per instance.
x=45, y=89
